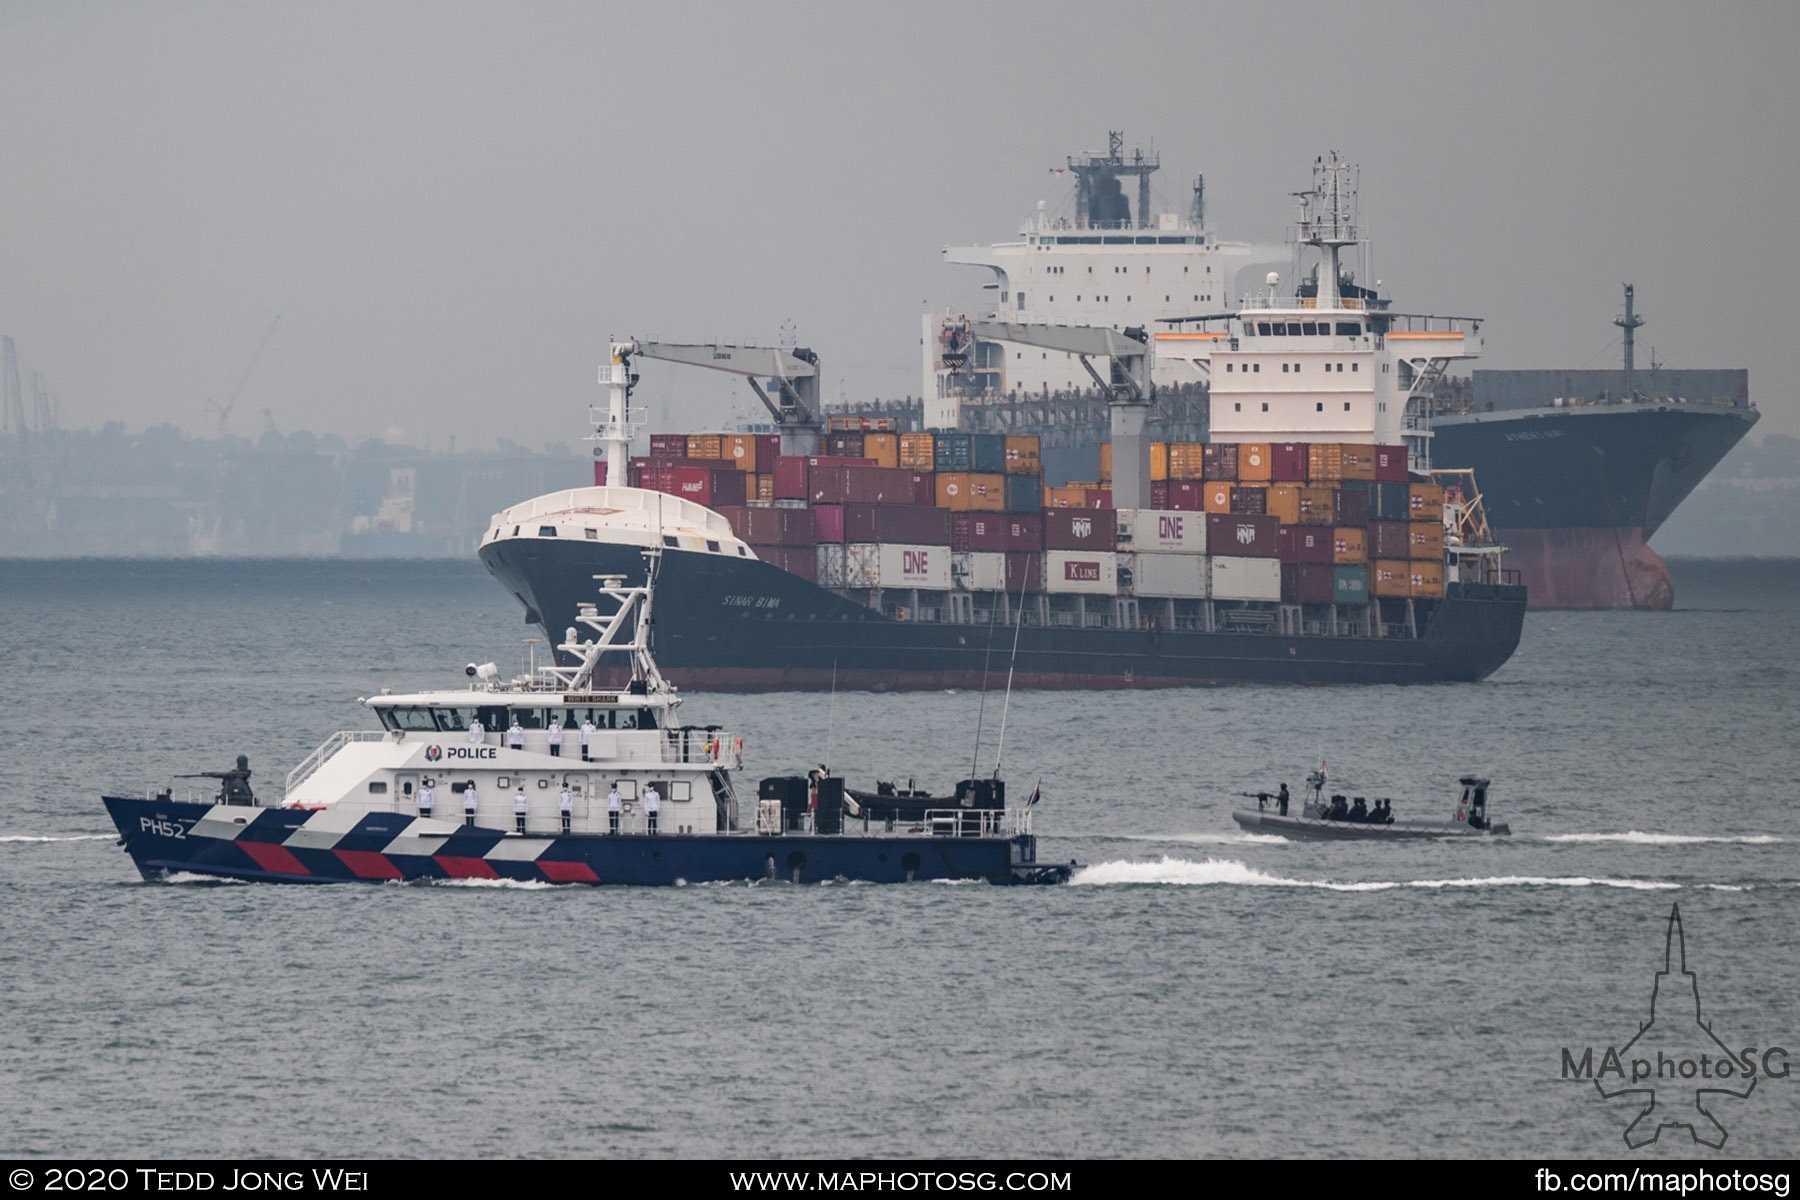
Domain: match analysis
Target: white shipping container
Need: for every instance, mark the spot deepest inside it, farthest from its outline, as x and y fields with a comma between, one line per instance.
x=1089, y=572
x=1183, y=576
x=892, y=565
x=1246, y=578
x=979, y=570
x=1162, y=531
x=831, y=565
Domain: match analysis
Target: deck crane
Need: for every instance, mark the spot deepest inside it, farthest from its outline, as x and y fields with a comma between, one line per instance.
x=793, y=373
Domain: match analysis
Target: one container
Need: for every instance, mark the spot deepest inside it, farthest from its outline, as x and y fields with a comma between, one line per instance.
x=1153, y=531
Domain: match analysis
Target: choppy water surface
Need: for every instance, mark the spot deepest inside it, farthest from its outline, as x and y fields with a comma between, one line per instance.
x=1195, y=992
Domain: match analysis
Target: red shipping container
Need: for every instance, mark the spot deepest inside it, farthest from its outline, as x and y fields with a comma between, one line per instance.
x=1159, y=495
x=906, y=524
x=859, y=485
x=1288, y=462
x=1184, y=495
x=925, y=488
x=1306, y=583
x=977, y=530
x=1306, y=544
x=844, y=445
x=1024, y=531
x=1351, y=504
x=1219, y=461
x=1099, y=498
x=668, y=445
x=1024, y=573
x=1245, y=536
x=704, y=486
x=828, y=522
x=800, y=561
x=1389, y=539
x=1080, y=529
x=790, y=477
x=1390, y=464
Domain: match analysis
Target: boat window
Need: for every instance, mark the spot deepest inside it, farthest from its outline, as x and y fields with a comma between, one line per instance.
x=451, y=720
x=1280, y=329
x=546, y=531
x=593, y=535
x=712, y=545
x=646, y=718
x=387, y=718
x=1309, y=328
x=1294, y=328
x=492, y=719
x=671, y=541
x=1349, y=328
x=377, y=787
x=529, y=718
x=412, y=718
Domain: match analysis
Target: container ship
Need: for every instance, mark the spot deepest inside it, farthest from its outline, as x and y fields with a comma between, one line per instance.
x=1578, y=468
x=1302, y=543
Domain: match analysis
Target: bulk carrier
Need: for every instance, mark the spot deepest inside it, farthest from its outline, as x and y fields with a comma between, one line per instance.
x=1578, y=468
x=1304, y=543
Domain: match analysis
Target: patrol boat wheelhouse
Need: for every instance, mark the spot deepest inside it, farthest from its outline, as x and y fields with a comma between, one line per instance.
x=495, y=759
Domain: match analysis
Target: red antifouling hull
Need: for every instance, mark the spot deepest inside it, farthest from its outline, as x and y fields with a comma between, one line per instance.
x=1589, y=568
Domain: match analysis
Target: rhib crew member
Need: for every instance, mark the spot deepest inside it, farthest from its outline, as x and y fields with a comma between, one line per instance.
x=554, y=737
x=520, y=807
x=652, y=802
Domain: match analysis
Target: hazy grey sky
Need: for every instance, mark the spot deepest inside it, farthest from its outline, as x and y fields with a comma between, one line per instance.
x=453, y=206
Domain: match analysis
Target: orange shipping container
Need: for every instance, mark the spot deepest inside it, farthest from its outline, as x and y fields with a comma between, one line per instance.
x=765, y=488
x=1070, y=496
x=965, y=491
x=1284, y=502
x=918, y=451
x=884, y=448
x=1159, y=462
x=1426, y=501
x=1105, y=462
x=1359, y=461
x=704, y=445
x=1324, y=462
x=1425, y=540
x=1023, y=456
x=1317, y=506
x=1427, y=580
x=1391, y=577
x=1217, y=497
x=1186, y=460
x=1349, y=546
x=740, y=450
x=1255, y=462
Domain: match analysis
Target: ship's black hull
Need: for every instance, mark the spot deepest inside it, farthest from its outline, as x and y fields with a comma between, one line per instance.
x=727, y=624
x=1576, y=493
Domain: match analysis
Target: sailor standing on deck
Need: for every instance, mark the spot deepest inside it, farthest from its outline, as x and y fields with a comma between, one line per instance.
x=469, y=802
x=567, y=804
x=520, y=806
x=587, y=728
x=1281, y=798
x=426, y=799
x=652, y=802
x=554, y=737
x=515, y=735
x=477, y=733
x=613, y=804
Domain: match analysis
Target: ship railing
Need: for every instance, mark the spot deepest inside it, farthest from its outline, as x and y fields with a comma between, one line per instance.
x=976, y=822
x=710, y=747
x=332, y=745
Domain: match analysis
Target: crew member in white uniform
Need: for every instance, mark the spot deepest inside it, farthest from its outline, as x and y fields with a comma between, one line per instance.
x=477, y=733
x=515, y=735
x=613, y=803
x=520, y=804
x=554, y=737
x=566, y=802
x=652, y=802
x=426, y=798
x=469, y=802
x=587, y=729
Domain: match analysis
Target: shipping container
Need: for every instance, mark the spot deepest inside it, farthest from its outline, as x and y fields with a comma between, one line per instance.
x=1288, y=462
x=987, y=453
x=1254, y=463
x=862, y=424
x=1318, y=506
x=752, y=451
x=828, y=522
x=1099, y=498
x=802, y=561
x=1425, y=539
x=883, y=448
x=765, y=488
x=831, y=565
x=1305, y=544
x=1024, y=531
x=859, y=485
x=1024, y=572
x=1349, y=545
x=1282, y=501
x=1217, y=496
x=1390, y=464
x=977, y=531
x=1219, y=462
x=1425, y=501
x=978, y=570
x=1152, y=531
x=600, y=473
x=1084, y=572
x=1324, y=462
x=1182, y=576
x=844, y=445
x=924, y=487
x=1245, y=578
x=891, y=565
x=1359, y=461
x=1105, y=462
x=1351, y=503
x=1079, y=529
x=1391, y=577
x=964, y=491
x=705, y=445
x=918, y=451
x=1065, y=497
x=1350, y=584
x=1249, y=499
x=668, y=445
x=771, y=527
x=1389, y=539
x=901, y=523
x=1159, y=495
x=1244, y=536
x=1191, y=460
x=1306, y=583
x=953, y=452
x=1426, y=579
x=1024, y=493
x=715, y=486
x=1024, y=455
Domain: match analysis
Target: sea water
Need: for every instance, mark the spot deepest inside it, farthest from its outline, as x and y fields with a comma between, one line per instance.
x=1197, y=991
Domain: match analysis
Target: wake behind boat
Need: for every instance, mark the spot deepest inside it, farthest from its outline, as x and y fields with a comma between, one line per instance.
x=637, y=799
x=1342, y=819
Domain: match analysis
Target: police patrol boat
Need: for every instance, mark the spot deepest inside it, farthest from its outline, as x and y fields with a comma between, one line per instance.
x=575, y=774
x=1340, y=818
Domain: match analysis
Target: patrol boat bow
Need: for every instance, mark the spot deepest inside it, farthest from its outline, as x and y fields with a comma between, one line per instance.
x=364, y=805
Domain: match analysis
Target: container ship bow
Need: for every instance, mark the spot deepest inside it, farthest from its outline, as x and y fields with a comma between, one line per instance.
x=1296, y=546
